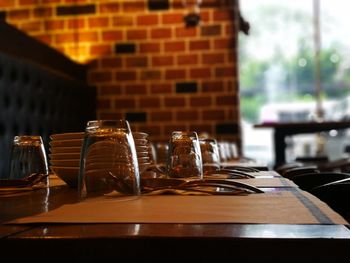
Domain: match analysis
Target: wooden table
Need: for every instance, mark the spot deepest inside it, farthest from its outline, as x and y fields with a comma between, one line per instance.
x=154, y=242
x=282, y=130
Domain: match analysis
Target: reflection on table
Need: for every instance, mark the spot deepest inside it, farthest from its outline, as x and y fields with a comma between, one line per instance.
x=199, y=241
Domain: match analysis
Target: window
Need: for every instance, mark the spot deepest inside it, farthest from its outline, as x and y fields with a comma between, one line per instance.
x=278, y=65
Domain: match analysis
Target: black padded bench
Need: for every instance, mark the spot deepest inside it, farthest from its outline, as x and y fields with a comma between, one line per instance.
x=36, y=99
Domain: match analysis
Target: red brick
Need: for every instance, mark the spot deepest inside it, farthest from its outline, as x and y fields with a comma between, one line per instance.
x=136, y=89
x=228, y=71
x=136, y=6
x=216, y=58
x=109, y=8
x=199, y=45
x=227, y=43
x=175, y=74
x=231, y=29
x=88, y=36
x=187, y=59
x=186, y=32
x=54, y=24
x=200, y=73
x=162, y=61
x=174, y=46
x=100, y=49
x=161, y=88
x=112, y=35
x=177, y=4
x=137, y=62
x=161, y=33
x=18, y=14
x=205, y=16
x=174, y=102
x=187, y=115
x=71, y=37
x=98, y=22
x=75, y=1
x=7, y=3
x=172, y=18
x=104, y=104
x=50, y=1
x=76, y=23
x=213, y=115
x=109, y=90
x=125, y=75
x=233, y=114
x=27, y=2
x=161, y=115
x=115, y=62
x=41, y=12
x=211, y=30
x=136, y=34
x=226, y=100
x=231, y=86
x=121, y=20
x=147, y=20
x=31, y=26
x=213, y=86
x=150, y=102
x=125, y=103
x=150, y=47
x=223, y=15
x=200, y=101
x=150, y=75
x=213, y=3
x=232, y=56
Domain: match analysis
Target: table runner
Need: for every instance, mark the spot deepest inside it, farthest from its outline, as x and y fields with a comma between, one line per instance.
x=280, y=207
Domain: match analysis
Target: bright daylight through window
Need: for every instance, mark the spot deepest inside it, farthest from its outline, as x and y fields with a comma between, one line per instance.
x=278, y=71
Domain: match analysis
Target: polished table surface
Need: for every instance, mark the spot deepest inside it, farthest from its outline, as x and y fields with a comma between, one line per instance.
x=284, y=129
x=153, y=241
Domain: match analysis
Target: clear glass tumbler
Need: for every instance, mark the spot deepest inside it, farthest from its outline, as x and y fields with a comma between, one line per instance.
x=108, y=160
x=28, y=156
x=210, y=155
x=184, y=156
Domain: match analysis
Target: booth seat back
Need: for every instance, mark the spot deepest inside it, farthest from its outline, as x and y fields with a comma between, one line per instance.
x=35, y=100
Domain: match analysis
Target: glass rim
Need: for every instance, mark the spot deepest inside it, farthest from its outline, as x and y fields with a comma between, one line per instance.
x=27, y=139
x=114, y=124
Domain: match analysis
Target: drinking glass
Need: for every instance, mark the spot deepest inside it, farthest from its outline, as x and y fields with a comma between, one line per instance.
x=184, y=156
x=108, y=160
x=210, y=155
x=28, y=156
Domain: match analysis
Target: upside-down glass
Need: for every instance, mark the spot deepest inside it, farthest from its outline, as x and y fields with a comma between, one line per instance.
x=28, y=156
x=210, y=155
x=184, y=156
x=108, y=160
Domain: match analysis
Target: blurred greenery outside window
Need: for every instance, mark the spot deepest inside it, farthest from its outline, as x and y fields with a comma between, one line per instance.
x=276, y=59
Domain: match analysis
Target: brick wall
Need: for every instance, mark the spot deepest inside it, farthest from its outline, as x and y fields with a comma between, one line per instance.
x=147, y=65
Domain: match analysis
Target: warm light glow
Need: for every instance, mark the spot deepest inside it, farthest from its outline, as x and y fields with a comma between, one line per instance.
x=79, y=53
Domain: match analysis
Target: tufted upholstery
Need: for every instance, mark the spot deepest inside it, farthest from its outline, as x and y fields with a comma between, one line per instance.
x=35, y=100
